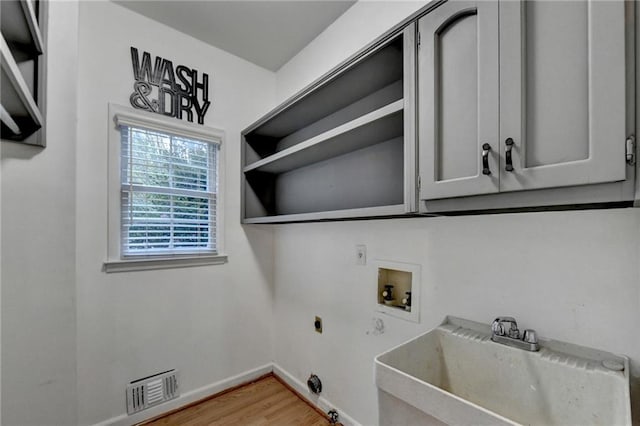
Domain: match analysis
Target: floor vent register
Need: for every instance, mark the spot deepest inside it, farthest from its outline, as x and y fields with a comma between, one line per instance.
x=152, y=390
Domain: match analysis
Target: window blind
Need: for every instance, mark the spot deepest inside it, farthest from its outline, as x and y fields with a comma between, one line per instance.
x=169, y=191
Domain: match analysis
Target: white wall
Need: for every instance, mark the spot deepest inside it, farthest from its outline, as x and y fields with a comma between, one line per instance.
x=38, y=249
x=209, y=322
x=573, y=276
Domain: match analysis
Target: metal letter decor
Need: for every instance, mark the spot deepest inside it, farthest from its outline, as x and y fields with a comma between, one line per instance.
x=177, y=90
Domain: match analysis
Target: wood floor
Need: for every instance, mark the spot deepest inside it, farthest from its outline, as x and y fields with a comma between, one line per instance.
x=265, y=402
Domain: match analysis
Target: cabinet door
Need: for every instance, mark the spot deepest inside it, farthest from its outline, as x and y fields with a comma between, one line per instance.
x=562, y=93
x=458, y=99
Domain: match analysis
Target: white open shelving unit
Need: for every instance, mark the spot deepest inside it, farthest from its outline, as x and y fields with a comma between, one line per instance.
x=21, y=76
x=342, y=148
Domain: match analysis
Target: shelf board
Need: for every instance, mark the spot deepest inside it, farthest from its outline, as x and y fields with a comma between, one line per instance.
x=5, y=117
x=377, y=126
x=17, y=100
x=398, y=209
x=20, y=25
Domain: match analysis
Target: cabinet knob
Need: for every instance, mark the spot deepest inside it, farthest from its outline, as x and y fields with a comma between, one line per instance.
x=509, y=161
x=485, y=159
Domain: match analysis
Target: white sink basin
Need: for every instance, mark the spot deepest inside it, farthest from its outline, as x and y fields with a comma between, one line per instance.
x=456, y=375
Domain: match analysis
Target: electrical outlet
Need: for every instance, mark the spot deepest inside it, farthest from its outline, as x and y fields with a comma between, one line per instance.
x=318, y=324
x=361, y=254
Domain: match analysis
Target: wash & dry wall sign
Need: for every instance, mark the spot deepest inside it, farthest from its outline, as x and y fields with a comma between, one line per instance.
x=163, y=89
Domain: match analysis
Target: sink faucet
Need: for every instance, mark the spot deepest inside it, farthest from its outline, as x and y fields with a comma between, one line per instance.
x=511, y=336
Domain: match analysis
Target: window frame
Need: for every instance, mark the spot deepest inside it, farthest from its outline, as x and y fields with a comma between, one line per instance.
x=117, y=262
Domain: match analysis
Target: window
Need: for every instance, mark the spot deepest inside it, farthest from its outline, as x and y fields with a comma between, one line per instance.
x=166, y=205
x=168, y=195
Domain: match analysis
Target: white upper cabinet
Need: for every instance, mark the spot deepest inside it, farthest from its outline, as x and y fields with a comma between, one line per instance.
x=562, y=93
x=541, y=83
x=458, y=99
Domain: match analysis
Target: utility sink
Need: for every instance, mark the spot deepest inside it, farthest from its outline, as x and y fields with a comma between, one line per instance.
x=456, y=375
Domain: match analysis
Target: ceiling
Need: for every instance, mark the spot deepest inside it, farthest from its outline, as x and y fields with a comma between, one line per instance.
x=267, y=33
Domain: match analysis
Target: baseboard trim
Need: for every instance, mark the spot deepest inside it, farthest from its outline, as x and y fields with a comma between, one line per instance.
x=320, y=402
x=189, y=398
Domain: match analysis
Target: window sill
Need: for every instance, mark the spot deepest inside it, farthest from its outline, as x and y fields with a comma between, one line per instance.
x=162, y=263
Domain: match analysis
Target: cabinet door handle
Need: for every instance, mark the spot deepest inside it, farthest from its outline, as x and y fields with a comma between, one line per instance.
x=507, y=153
x=485, y=159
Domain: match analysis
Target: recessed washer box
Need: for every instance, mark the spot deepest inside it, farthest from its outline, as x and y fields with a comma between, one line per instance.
x=405, y=278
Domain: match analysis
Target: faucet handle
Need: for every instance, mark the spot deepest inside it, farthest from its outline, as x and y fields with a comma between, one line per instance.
x=497, y=327
x=530, y=336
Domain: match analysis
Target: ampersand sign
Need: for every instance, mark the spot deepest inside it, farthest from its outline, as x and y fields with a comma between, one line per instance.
x=139, y=98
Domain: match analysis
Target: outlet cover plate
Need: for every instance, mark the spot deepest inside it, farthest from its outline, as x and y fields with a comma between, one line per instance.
x=361, y=254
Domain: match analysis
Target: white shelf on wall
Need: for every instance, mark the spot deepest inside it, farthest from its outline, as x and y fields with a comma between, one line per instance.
x=378, y=126
x=394, y=210
x=5, y=117
x=370, y=74
x=340, y=148
x=17, y=100
x=23, y=71
x=20, y=25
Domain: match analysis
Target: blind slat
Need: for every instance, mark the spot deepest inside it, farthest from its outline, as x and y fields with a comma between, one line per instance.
x=168, y=196
x=161, y=190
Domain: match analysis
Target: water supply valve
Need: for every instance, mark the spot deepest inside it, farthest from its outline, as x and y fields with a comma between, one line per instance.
x=387, y=294
x=406, y=301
